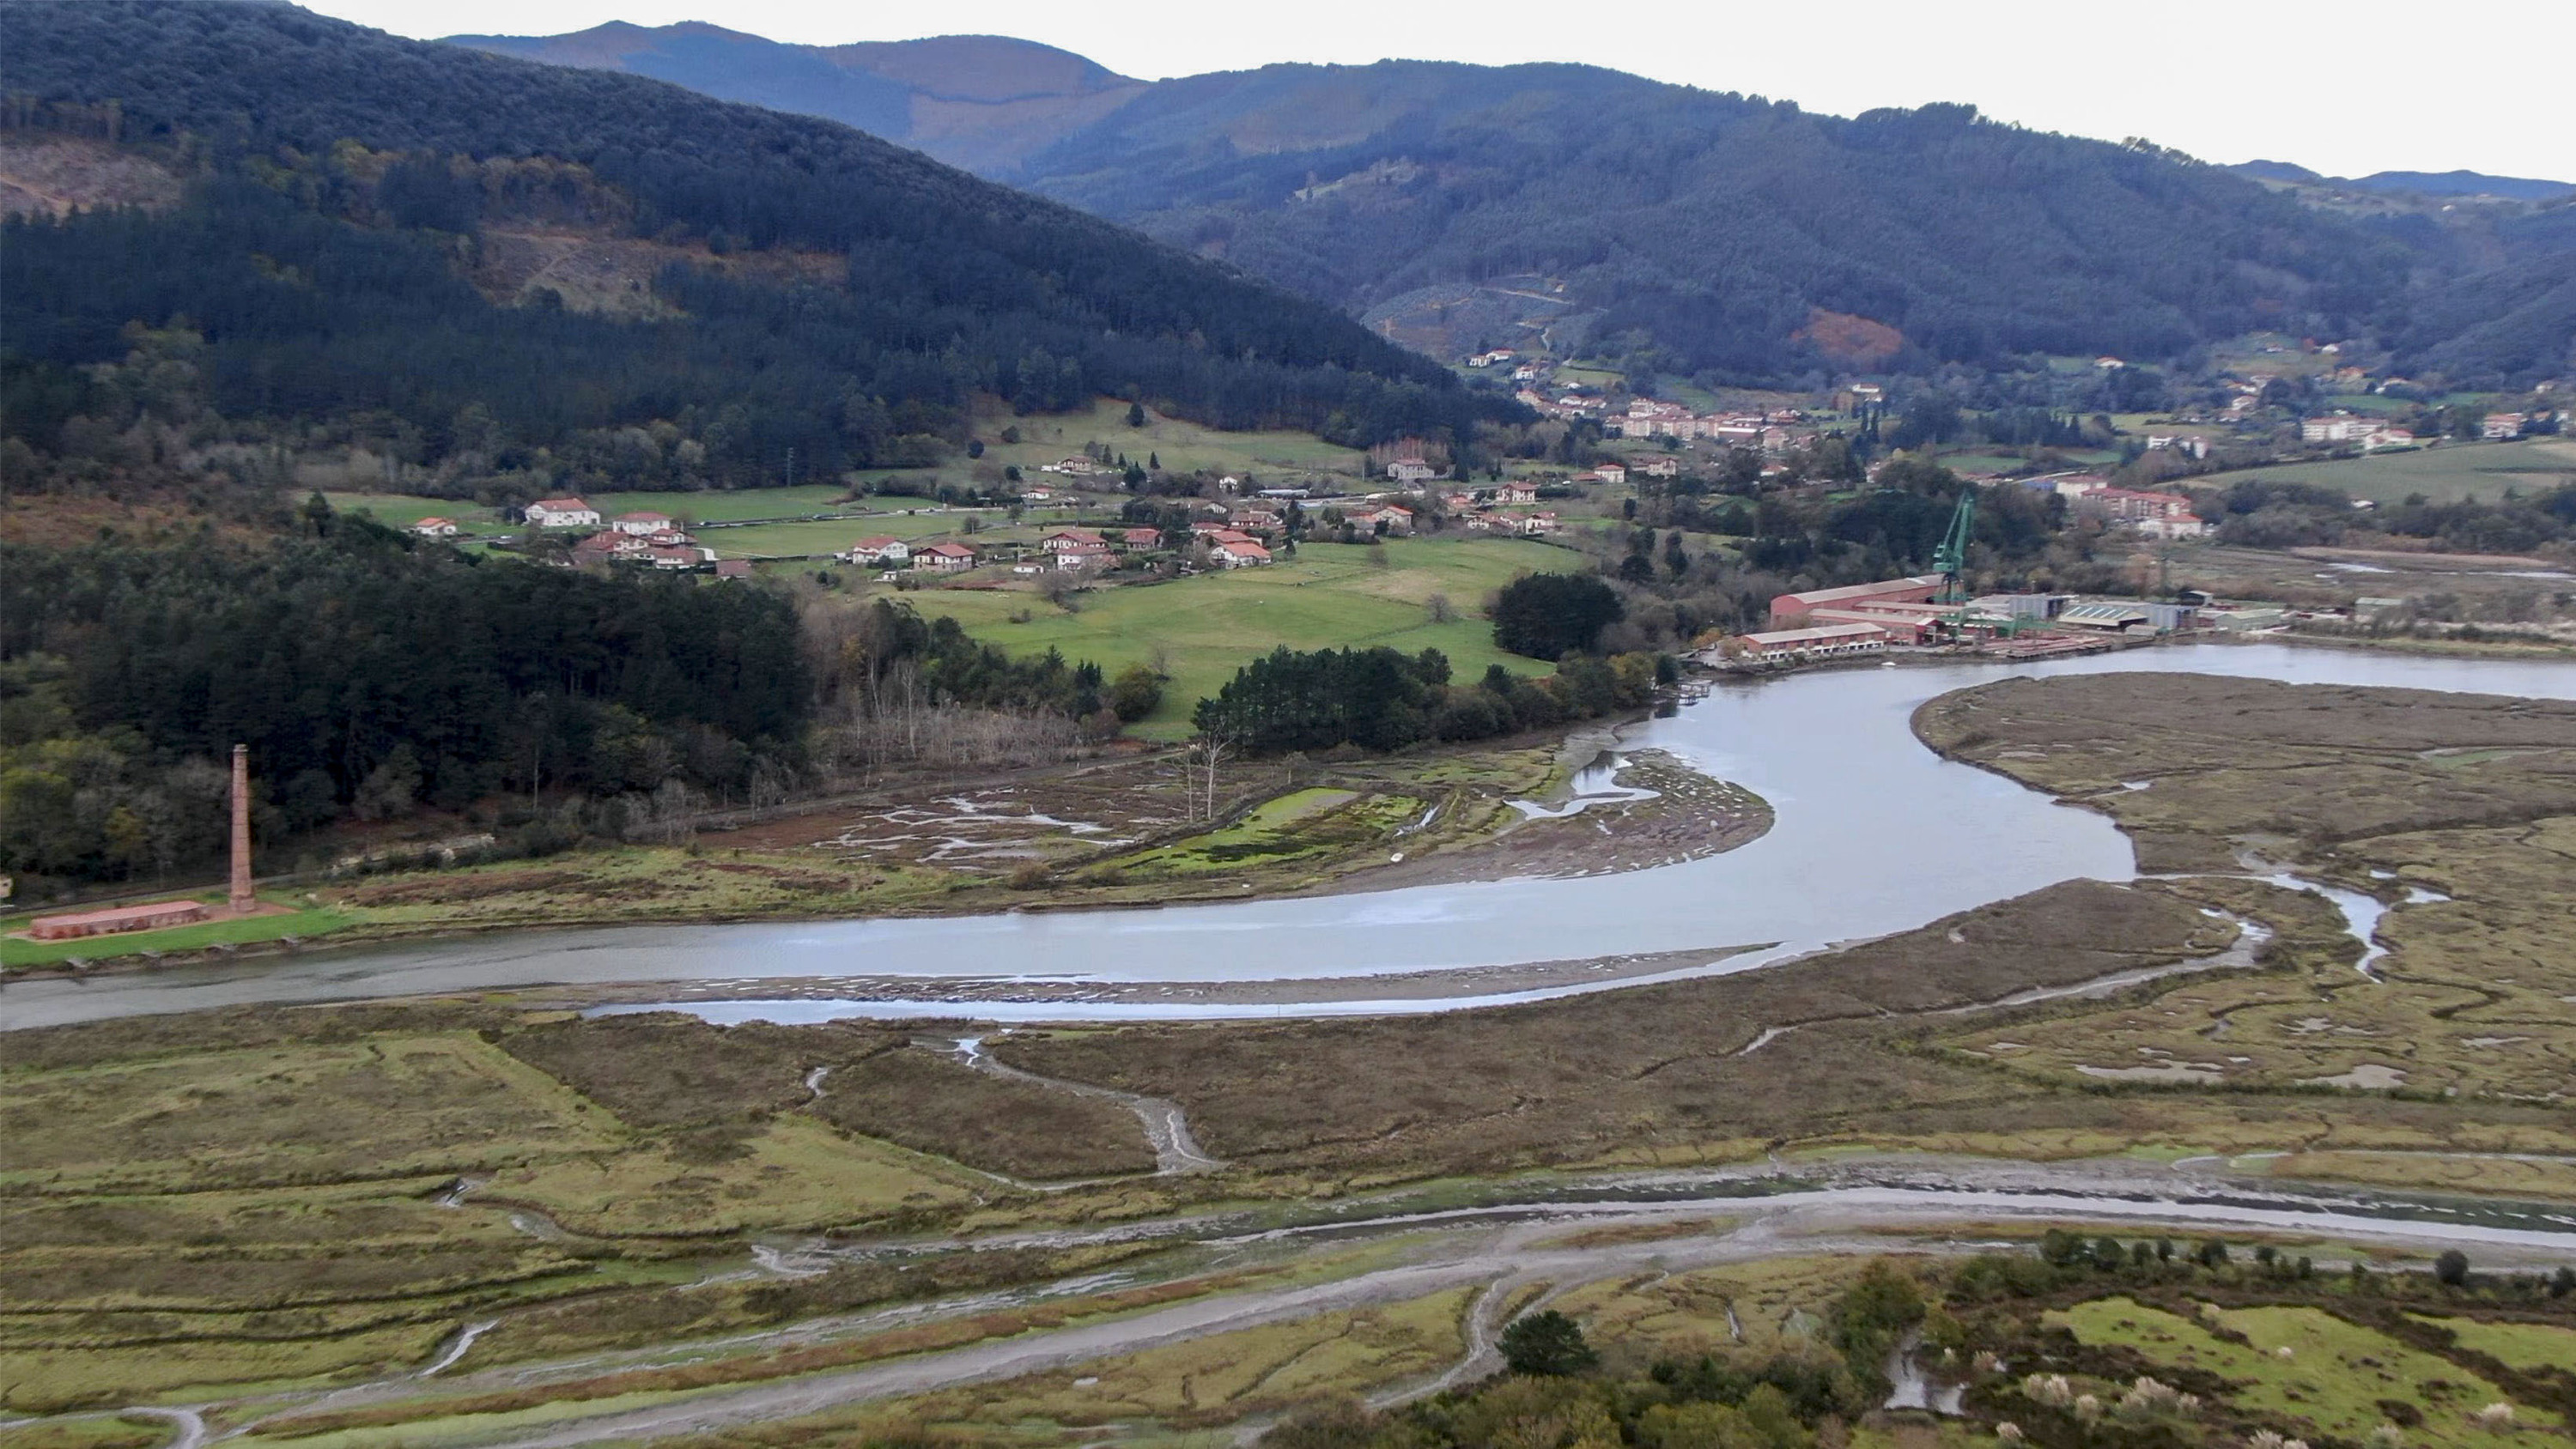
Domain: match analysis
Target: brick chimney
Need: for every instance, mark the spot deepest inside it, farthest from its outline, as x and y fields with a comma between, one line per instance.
x=243, y=901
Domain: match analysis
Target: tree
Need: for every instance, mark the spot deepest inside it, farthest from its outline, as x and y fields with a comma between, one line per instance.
x=2452, y=1268
x=1135, y=693
x=1546, y=1344
x=1135, y=415
x=1547, y=616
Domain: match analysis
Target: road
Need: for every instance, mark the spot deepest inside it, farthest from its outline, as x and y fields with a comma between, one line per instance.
x=1862, y=1206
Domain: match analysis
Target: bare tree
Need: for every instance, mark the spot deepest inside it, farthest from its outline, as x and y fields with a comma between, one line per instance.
x=1205, y=754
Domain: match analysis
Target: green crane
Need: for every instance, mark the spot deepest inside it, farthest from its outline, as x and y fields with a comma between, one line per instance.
x=1952, y=556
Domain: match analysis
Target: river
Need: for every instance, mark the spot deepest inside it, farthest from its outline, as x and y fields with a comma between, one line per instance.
x=1874, y=834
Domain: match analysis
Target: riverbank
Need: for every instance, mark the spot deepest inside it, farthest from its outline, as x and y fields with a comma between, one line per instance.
x=1105, y=837
x=525, y=1223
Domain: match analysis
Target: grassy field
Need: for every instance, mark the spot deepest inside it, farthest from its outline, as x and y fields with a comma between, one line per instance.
x=1200, y=630
x=2298, y=1361
x=1267, y=458
x=2444, y=474
x=402, y=510
x=716, y=505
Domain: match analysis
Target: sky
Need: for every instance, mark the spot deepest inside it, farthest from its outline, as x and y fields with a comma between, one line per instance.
x=2359, y=87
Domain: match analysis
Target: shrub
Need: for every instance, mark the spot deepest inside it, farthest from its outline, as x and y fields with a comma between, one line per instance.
x=1545, y=1344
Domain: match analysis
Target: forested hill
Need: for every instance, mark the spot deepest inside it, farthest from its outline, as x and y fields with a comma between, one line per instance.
x=1718, y=229
x=377, y=225
x=1699, y=233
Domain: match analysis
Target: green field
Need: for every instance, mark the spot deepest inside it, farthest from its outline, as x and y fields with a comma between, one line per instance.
x=796, y=540
x=1203, y=629
x=1266, y=458
x=402, y=510
x=2445, y=474
x=18, y=951
x=717, y=506
x=2338, y=1376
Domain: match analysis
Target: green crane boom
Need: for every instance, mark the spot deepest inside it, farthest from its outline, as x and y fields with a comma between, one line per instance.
x=1952, y=556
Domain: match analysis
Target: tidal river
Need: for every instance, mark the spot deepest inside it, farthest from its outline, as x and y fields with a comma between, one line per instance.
x=1874, y=834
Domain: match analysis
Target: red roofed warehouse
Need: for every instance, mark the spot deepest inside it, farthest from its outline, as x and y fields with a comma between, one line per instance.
x=1920, y=589
x=151, y=916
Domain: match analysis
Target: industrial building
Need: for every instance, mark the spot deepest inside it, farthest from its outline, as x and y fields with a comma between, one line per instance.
x=1920, y=589
x=240, y=900
x=150, y=916
x=1825, y=641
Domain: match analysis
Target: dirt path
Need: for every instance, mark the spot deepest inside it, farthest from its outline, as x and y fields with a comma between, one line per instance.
x=1506, y=1248
x=1166, y=1126
x=1499, y=1248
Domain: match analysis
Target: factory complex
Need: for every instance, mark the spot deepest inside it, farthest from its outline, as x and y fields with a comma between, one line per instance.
x=1921, y=612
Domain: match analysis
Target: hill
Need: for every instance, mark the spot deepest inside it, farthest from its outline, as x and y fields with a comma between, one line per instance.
x=487, y=254
x=1726, y=238
x=983, y=102
x=2466, y=183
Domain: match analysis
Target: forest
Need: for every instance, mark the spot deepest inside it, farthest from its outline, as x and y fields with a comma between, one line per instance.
x=371, y=675
x=1709, y=233
x=340, y=176
x=1382, y=699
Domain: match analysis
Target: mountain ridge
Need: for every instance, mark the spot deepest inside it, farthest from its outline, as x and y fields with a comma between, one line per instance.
x=1709, y=234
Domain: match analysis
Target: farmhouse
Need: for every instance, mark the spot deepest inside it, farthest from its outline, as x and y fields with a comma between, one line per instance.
x=1613, y=474
x=1141, y=538
x=2497, y=427
x=643, y=524
x=1411, y=472
x=1237, y=553
x=946, y=558
x=1389, y=518
x=435, y=528
x=1068, y=540
x=1093, y=554
x=1516, y=493
x=880, y=550
x=561, y=513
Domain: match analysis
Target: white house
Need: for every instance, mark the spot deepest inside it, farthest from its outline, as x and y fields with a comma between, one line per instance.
x=1239, y=553
x=435, y=528
x=643, y=524
x=883, y=551
x=562, y=513
x=1411, y=472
